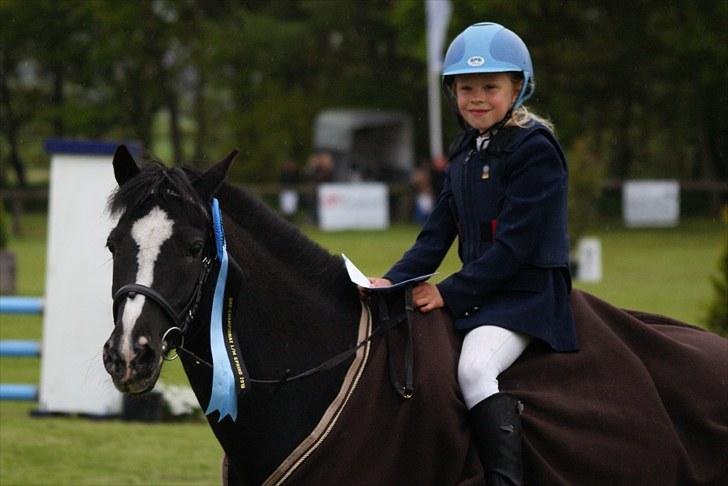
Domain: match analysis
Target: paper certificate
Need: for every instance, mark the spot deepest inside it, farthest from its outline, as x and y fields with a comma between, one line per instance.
x=356, y=276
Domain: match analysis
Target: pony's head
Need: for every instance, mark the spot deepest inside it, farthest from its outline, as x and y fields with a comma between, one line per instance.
x=162, y=249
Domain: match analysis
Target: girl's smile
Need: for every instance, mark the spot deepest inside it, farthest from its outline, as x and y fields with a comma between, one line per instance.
x=484, y=99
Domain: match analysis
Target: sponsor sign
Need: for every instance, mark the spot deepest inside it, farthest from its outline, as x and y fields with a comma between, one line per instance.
x=353, y=206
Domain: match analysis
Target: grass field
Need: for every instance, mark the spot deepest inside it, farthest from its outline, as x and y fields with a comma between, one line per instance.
x=664, y=271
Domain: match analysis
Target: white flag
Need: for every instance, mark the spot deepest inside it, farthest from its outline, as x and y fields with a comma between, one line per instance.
x=437, y=15
x=437, y=18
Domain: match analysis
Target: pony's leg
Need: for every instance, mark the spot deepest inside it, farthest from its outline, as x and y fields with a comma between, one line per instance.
x=487, y=352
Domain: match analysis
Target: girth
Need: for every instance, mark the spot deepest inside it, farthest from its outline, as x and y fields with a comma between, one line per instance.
x=393, y=310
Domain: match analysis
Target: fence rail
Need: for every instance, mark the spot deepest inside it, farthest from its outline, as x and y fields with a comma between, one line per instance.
x=19, y=348
x=402, y=194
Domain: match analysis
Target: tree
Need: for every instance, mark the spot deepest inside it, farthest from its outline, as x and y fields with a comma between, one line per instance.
x=646, y=89
x=717, y=317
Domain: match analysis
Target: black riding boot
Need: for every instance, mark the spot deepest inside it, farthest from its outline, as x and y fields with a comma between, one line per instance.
x=497, y=428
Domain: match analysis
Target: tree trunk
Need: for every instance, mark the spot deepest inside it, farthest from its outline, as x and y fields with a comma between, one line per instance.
x=715, y=143
x=200, y=118
x=174, y=129
x=623, y=152
x=57, y=101
x=12, y=126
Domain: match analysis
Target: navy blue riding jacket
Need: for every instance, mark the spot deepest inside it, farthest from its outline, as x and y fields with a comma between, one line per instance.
x=507, y=206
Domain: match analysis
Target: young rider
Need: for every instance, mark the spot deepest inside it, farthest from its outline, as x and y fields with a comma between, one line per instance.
x=504, y=196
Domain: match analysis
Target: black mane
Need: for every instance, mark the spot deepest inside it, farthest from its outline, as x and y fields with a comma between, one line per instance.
x=154, y=181
x=282, y=239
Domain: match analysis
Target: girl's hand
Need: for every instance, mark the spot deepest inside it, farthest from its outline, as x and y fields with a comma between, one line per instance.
x=380, y=282
x=426, y=297
x=376, y=282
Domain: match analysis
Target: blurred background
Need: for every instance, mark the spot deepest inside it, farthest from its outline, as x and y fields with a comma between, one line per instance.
x=640, y=91
x=637, y=92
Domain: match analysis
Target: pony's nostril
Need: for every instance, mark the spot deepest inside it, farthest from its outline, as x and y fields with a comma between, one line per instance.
x=113, y=361
x=144, y=355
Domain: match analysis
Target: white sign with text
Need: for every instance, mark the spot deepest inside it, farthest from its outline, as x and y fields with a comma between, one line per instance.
x=353, y=206
x=651, y=203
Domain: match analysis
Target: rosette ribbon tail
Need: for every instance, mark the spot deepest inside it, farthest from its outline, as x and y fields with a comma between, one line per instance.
x=223, y=398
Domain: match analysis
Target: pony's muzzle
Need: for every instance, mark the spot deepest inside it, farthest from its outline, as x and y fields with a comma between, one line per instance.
x=135, y=373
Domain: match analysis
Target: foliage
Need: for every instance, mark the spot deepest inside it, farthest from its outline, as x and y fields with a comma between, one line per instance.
x=4, y=228
x=717, y=318
x=586, y=173
x=647, y=89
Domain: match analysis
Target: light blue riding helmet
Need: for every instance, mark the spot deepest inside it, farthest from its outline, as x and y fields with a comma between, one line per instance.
x=487, y=47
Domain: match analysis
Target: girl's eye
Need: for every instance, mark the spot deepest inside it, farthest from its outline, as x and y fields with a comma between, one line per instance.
x=195, y=249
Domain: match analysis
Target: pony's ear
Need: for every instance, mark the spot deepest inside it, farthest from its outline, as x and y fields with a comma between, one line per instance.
x=210, y=181
x=124, y=165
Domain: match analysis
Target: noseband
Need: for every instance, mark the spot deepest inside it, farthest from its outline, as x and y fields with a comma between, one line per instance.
x=180, y=320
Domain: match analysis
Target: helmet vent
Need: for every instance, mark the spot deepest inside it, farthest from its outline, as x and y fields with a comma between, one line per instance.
x=456, y=51
x=508, y=47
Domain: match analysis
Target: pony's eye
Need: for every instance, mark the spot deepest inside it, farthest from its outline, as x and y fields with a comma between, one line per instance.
x=196, y=249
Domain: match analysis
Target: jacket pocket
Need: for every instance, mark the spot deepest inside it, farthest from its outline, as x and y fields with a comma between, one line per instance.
x=527, y=280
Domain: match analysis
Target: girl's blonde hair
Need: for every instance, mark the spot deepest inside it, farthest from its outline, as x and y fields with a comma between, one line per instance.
x=521, y=116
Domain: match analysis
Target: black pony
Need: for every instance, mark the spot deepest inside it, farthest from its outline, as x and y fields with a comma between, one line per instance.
x=643, y=402
x=297, y=305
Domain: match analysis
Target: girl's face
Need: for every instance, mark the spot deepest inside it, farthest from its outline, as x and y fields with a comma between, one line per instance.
x=484, y=99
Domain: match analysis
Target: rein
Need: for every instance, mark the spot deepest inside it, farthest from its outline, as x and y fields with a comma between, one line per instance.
x=405, y=391
x=182, y=320
x=181, y=323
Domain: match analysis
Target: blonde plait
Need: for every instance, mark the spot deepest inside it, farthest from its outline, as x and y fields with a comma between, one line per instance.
x=522, y=117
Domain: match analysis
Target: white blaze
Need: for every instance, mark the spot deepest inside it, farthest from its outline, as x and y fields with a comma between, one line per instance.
x=149, y=233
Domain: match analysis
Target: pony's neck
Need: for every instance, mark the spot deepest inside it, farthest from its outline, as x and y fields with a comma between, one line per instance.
x=296, y=309
x=293, y=284
x=284, y=243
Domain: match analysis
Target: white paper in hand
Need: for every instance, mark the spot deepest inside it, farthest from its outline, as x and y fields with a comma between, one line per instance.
x=355, y=274
x=357, y=277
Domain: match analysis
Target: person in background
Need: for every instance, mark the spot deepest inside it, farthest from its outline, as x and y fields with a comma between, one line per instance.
x=424, y=197
x=289, y=197
x=504, y=197
x=319, y=169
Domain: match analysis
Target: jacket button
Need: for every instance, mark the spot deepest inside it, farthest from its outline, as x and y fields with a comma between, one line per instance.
x=467, y=314
x=476, y=308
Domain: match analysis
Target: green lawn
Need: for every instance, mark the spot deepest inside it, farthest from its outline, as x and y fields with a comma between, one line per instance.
x=664, y=271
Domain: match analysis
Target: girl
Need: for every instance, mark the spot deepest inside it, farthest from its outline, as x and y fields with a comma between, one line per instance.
x=504, y=196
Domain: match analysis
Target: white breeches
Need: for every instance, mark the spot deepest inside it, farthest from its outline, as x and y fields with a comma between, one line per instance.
x=487, y=352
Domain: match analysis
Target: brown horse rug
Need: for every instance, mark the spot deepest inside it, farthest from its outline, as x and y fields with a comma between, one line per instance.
x=645, y=402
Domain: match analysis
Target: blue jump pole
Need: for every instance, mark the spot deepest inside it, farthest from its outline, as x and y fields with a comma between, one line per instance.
x=18, y=392
x=19, y=348
x=21, y=305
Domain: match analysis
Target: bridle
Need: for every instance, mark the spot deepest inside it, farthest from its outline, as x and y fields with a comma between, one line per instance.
x=180, y=320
